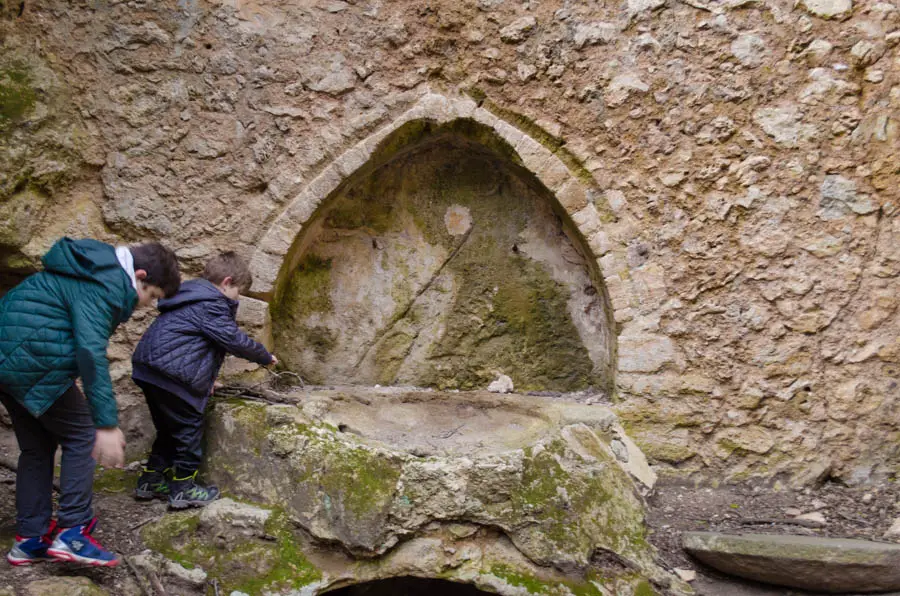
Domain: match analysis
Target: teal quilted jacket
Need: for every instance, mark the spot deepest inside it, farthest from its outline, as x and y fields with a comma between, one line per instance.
x=55, y=326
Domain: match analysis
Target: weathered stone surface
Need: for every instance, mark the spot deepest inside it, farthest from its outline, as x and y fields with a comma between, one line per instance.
x=840, y=198
x=835, y=566
x=518, y=30
x=641, y=7
x=162, y=566
x=829, y=9
x=893, y=533
x=749, y=49
x=623, y=86
x=588, y=34
x=74, y=586
x=645, y=353
x=785, y=125
x=753, y=439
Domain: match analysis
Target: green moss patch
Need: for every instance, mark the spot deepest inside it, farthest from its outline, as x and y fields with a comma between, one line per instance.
x=578, y=512
x=111, y=480
x=17, y=96
x=243, y=563
x=594, y=583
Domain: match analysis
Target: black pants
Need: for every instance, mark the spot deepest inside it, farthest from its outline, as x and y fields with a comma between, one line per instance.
x=179, y=431
x=67, y=423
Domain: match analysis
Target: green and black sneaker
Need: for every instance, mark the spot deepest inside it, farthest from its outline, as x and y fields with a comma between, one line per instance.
x=152, y=485
x=184, y=492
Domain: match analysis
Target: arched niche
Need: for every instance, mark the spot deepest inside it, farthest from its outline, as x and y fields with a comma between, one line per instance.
x=443, y=260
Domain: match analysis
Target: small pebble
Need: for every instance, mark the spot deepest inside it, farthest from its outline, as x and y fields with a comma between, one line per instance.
x=867, y=498
x=687, y=575
x=815, y=517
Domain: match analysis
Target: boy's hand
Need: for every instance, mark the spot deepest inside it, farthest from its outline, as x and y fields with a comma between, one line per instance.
x=109, y=447
x=274, y=360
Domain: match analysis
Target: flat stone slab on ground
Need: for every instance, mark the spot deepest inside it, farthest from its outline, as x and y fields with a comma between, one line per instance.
x=836, y=566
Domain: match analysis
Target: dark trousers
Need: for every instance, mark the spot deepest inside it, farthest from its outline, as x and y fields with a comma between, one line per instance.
x=179, y=431
x=67, y=424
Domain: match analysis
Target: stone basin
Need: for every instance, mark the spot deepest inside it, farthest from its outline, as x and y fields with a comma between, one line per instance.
x=496, y=491
x=835, y=566
x=453, y=423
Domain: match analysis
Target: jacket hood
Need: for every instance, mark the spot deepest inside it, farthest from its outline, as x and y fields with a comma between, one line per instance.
x=97, y=262
x=84, y=259
x=193, y=291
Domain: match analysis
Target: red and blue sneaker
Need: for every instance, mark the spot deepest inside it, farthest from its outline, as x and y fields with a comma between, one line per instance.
x=28, y=551
x=76, y=545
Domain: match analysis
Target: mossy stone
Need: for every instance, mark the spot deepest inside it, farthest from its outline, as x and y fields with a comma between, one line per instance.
x=17, y=96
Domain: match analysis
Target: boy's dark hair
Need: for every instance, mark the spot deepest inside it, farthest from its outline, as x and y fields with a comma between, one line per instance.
x=228, y=264
x=160, y=264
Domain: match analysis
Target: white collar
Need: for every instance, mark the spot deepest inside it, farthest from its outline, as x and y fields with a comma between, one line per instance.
x=126, y=260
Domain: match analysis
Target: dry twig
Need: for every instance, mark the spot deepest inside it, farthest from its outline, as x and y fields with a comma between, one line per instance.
x=141, y=524
x=784, y=521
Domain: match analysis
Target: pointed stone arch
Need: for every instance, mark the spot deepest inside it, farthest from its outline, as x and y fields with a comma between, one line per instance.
x=576, y=196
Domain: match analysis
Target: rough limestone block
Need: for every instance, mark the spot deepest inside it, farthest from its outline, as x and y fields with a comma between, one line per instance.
x=353, y=159
x=265, y=268
x=836, y=566
x=553, y=173
x=587, y=219
x=437, y=107
x=600, y=243
x=280, y=236
x=533, y=154
x=571, y=196
x=623, y=315
x=253, y=314
x=645, y=353
x=611, y=264
x=483, y=116
x=302, y=207
x=463, y=107
x=615, y=287
x=508, y=133
x=829, y=9
x=325, y=183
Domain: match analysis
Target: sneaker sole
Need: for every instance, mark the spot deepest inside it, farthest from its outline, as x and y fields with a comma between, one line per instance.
x=146, y=495
x=187, y=504
x=61, y=555
x=24, y=562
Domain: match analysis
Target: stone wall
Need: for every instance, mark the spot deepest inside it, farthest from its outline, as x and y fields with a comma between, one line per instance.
x=733, y=166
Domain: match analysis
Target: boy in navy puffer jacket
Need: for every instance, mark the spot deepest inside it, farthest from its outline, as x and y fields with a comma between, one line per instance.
x=176, y=364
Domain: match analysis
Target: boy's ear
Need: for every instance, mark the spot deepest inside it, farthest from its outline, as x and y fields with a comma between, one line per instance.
x=140, y=274
x=228, y=281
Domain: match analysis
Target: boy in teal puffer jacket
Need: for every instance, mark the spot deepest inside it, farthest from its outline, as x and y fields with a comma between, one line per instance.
x=55, y=327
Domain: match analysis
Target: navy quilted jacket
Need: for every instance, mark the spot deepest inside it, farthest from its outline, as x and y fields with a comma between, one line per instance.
x=184, y=347
x=55, y=326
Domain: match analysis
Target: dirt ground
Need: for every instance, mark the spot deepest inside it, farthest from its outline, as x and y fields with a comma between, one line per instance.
x=861, y=513
x=864, y=513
